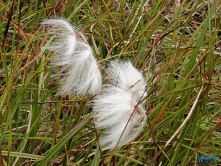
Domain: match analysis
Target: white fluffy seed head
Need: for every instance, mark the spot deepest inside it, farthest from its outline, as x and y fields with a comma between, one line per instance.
x=84, y=76
x=126, y=76
x=118, y=105
x=75, y=58
x=114, y=107
x=65, y=41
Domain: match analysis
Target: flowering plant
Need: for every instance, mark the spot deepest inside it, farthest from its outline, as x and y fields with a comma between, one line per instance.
x=118, y=106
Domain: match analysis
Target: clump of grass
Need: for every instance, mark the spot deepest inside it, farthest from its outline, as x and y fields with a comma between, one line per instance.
x=176, y=45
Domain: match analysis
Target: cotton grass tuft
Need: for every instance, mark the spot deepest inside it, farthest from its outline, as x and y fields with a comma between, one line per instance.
x=75, y=58
x=118, y=105
x=123, y=74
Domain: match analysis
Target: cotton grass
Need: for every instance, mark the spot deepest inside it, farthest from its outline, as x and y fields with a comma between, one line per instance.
x=119, y=107
x=123, y=74
x=119, y=111
x=75, y=58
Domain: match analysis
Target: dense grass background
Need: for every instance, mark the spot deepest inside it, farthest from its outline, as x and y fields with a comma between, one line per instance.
x=177, y=46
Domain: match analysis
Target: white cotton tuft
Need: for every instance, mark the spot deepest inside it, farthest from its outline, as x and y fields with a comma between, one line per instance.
x=84, y=75
x=126, y=76
x=75, y=58
x=118, y=105
x=65, y=41
x=113, y=108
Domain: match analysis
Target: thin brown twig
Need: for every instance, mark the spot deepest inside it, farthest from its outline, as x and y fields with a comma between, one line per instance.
x=180, y=127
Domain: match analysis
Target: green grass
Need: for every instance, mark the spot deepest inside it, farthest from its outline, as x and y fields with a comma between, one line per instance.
x=177, y=48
